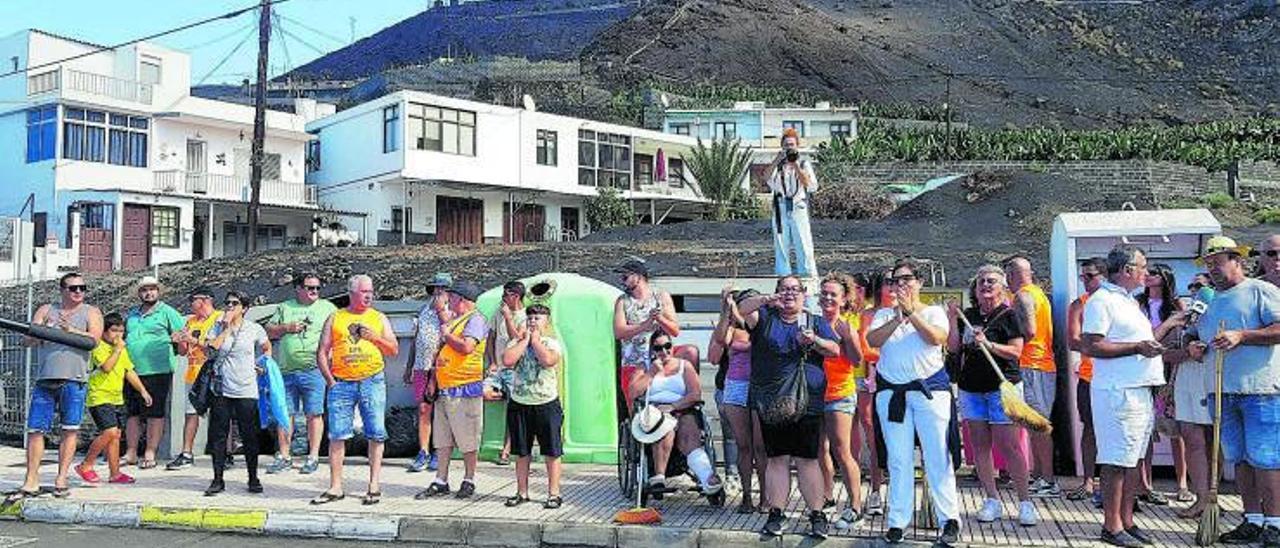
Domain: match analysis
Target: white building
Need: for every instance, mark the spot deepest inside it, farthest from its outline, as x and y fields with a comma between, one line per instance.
x=128, y=169
x=427, y=168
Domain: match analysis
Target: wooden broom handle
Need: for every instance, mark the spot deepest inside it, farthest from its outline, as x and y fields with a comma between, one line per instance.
x=1218, y=359
x=990, y=359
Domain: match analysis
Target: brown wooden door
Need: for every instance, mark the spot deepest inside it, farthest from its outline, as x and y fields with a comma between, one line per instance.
x=459, y=220
x=96, y=245
x=569, y=223
x=530, y=223
x=136, y=245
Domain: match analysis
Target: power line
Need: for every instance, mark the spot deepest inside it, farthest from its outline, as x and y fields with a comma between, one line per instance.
x=303, y=42
x=284, y=45
x=252, y=32
x=231, y=34
x=230, y=15
x=313, y=29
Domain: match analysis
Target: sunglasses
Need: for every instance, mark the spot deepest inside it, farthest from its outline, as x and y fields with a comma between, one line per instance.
x=1194, y=287
x=665, y=347
x=79, y=288
x=232, y=303
x=311, y=287
x=904, y=279
x=1273, y=253
x=989, y=281
x=792, y=289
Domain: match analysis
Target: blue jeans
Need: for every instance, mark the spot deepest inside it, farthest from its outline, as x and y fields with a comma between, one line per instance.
x=370, y=397
x=1251, y=429
x=66, y=400
x=983, y=406
x=305, y=388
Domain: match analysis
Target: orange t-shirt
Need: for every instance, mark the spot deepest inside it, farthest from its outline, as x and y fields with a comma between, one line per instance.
x=842, y=374
x=1086, y=363
x=355, y=359
x=1037, y=353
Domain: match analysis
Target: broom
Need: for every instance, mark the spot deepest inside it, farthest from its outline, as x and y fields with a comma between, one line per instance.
x=1014, y=406
x=1207, y=532
x=639, y=514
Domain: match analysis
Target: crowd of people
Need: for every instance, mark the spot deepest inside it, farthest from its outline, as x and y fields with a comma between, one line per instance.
x=807, y=377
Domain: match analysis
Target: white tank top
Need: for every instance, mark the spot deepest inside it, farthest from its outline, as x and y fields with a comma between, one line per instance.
x=667, y=389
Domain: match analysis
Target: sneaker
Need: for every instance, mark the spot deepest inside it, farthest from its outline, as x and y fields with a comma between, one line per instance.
x=1245, y=533
x=991, y=511
x=420, y=463
x=183, y=460
x=467, y=489
x=950, y=533
x=894, y=535
x=432, y=465
x=281, y=464
x=436, y=489
x=773, y=526
x=1038, y=484
x=1139, y=534
x=1270, y=537
x=819, y=527
x=1027, y=515
x=849, y=519
x=1121, y=538
x=255, y=486
x=1048, y=489
x=875, y=505
x=309, y=466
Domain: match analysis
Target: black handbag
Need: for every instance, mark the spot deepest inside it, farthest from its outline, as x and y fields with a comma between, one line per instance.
x=208, y=384
x=791, y=400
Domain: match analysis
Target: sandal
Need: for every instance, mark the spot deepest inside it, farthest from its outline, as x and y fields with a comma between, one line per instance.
x=1186, y=496
x=371, y=498
x=1079, y=493
x=553, y=502
x=61, y=492
x=503, y=460
x=327, y=497
x=19, y=495
x=89, y=476
x=516, y=500
x=146, y=464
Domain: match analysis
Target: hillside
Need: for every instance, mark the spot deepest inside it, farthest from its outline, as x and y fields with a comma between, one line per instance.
x=533, y=29
x=1007, y=61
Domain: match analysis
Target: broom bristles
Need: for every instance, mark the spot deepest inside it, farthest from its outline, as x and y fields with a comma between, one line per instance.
x=638, y=516
x=1018, y=411
x=1207, y=532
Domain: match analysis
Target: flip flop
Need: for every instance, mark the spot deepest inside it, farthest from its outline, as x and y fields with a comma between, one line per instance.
x=371, y=498
x=146, y=464
x=89, y=476
x=327, y=497
x=17, y=496
x=61, y=492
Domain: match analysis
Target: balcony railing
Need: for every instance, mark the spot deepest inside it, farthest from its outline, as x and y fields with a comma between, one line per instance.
x=230, y=187
x=65, y=79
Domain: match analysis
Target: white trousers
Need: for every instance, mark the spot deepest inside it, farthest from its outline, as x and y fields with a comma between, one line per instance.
x=791, y=232
x=927, y=418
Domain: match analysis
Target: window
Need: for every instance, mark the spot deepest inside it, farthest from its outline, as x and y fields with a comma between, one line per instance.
x=725, y=130
x=442, y=129
x=149, y=70
x=97, y=136
x=841, y=130
x=398, y=218
x=391, y=129
x=644, y=169
x=798, y=126
x=40, y=230
x=680, y=129
x=42, y=133
x=604, y=159
x=313, y=155
x=547, y=148
x=675, y=172
x=164, y=226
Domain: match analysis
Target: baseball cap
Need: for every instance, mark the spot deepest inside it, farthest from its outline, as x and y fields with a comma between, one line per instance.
x=633, y=266
x=466, y=290
x=441, y=279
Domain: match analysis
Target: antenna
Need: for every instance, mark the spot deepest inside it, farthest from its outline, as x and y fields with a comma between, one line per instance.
x=529, y=105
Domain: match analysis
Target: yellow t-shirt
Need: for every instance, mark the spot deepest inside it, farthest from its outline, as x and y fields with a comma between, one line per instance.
x=107, y=387
x=195, y=354
x=355, y=359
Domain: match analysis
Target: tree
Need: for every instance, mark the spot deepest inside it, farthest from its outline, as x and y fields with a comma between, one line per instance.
x=719, y=169
x=609, y=209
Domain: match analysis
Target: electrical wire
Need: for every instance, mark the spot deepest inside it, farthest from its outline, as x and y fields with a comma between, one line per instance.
x=313, y=29
x=231, y=34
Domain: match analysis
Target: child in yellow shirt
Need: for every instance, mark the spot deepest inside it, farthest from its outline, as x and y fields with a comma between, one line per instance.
x=110, y=368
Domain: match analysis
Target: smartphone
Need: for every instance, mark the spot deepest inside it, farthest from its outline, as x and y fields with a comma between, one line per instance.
x=195, y=333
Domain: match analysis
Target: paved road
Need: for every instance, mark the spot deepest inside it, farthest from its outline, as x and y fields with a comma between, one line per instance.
x=16, y=534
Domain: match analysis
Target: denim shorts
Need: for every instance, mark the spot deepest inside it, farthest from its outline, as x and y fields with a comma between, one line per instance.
x=307, y=388
x=1251, y=429
x=847, y=405
x=735, y=393
x=983, y=406
x=369, y=396
x=47, y=398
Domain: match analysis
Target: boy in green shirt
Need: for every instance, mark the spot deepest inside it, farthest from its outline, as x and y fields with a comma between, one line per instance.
x=110, y=367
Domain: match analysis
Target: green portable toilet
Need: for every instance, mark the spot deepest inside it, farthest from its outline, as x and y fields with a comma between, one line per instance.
x=582, y=314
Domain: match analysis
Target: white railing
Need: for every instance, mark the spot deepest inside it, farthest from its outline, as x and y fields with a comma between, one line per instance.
x=65, y=79
x=230, y=187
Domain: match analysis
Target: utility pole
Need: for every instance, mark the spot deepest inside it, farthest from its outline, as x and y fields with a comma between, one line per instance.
x=259, y=123
x=946, y=111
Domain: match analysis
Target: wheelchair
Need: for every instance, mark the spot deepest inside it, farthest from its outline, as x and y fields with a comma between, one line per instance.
x=635, y=465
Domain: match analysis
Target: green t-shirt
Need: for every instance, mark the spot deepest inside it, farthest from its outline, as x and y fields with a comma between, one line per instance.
x=298, y=350
x=107, y=387
x=149, y=338
x=532, y=383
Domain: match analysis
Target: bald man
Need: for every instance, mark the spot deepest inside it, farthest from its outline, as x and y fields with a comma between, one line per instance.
x=1269, y=259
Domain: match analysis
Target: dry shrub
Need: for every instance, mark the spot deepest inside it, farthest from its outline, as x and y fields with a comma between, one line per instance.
x=850, y=201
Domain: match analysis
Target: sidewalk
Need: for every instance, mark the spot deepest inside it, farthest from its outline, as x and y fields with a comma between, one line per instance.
x=174, y=500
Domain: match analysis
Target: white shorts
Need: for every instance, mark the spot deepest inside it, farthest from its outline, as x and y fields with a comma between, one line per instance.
x=1123, y=420
x=1191, y=388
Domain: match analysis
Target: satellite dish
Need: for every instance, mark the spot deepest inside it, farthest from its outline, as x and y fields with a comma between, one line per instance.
x=529, y=104
x=666, y=102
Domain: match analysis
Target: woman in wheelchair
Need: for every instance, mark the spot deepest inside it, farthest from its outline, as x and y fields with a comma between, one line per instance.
x=673, y=387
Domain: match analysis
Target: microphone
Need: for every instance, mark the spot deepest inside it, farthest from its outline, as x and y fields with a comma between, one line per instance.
x=1197, y=309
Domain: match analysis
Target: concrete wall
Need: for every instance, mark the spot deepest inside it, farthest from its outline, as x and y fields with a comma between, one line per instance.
x=1262, y=180
x=1138, y=180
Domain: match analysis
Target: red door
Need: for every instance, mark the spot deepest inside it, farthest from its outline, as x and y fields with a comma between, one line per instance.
x=530, y=223
x=459, y=220
x=96, y=249
x=136, y=245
